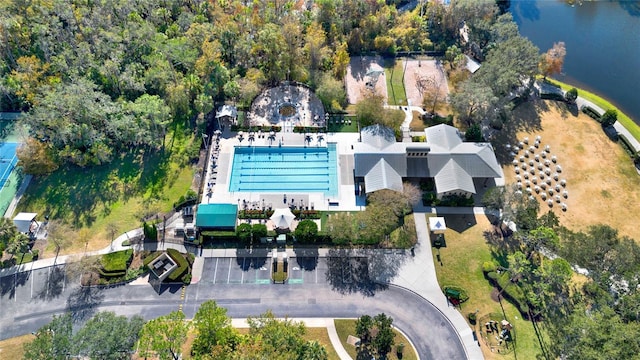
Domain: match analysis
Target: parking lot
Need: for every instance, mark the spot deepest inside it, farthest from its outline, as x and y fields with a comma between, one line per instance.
x=257, y=270
x=40, y=284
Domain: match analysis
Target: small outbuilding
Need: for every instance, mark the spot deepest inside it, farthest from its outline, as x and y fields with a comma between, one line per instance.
x=26, y=222
x=437, y=225
x=216, y=217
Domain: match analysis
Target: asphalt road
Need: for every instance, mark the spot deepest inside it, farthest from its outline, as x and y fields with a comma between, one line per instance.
x=331, y=288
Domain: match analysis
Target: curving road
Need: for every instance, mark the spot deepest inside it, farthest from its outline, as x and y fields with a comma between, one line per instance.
x=29, y=300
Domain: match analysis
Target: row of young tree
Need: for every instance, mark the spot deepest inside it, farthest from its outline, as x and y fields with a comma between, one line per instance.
x=109, y=336
x=591, y=316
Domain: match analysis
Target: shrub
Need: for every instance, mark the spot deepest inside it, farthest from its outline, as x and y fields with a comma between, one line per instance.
x=116, y=261
x=571, y=95
x=609, y=117
x=472, y=318
x=420, y=138
x=306, y=231
x=626, y=145
x=186, y=279
x=149, y=258
x=473, y=133
x=552, y=96
x=591, y=112
x=489, y=266
x=35, y=254
x=183, y=265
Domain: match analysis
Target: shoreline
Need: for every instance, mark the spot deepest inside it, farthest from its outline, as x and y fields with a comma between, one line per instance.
x=623, y=119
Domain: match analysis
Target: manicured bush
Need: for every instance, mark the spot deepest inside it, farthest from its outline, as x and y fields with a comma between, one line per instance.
x=149, y=258
x=552, y=96
x=571, y=95
x=626, y=145
x=116, y=261
x=609, y=117
x=183, y=265
x=591, y=112
x=150, y=231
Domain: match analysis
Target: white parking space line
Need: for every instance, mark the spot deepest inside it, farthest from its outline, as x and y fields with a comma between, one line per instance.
x=229, y=274
x=244, y=260
x=64, y=279
x=215, y=271
x=31, y=276
x=15, y=285
x=316, y=270
x=46, y=294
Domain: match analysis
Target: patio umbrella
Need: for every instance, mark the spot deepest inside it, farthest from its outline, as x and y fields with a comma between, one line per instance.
x=282, y=218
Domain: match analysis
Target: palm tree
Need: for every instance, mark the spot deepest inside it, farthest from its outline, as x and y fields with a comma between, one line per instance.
x=7, y=231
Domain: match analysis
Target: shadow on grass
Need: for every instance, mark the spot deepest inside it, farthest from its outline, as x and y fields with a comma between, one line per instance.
x=73, y=193
x=524, y=117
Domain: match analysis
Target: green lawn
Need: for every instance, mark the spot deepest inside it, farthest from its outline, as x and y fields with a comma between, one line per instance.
x=625, y=120
x=346, y=327
x=462, y=260
x=394, y=76
x=115, y=196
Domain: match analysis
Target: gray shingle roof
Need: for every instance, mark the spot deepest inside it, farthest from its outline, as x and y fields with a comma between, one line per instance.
x=382, y=176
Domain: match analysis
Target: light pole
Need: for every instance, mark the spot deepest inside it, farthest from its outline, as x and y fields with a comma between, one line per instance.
x=326, y=122
x=204, y=140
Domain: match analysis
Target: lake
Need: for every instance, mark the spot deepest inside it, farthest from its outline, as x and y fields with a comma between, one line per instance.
x=602, y=41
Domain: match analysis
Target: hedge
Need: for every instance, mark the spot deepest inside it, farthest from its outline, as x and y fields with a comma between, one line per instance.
x=591, y=112
x=148, y=259
x=626, y=145
x=116, y=261
x=183, y=265
x=107, y=274
x=553, y=96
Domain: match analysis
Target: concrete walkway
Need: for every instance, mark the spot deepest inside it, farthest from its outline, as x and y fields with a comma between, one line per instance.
x=419, y=275
x=311, y=323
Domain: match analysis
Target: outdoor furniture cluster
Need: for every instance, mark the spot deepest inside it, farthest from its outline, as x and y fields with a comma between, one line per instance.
x=213, y=164
x=538, y=172
x=497, y=333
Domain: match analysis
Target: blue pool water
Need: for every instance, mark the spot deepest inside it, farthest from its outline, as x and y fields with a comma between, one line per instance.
x=285, y=169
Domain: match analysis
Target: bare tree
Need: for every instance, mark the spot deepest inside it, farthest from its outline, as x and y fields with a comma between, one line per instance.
x=430, y=88
x=60, y=234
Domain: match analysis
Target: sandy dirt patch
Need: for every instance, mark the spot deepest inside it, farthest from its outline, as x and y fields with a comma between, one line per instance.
x=357, y=78
x=423, y=69
x=601, y=180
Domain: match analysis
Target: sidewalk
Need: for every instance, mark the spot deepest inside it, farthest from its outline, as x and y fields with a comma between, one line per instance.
x=310, y=322
x=418, y=274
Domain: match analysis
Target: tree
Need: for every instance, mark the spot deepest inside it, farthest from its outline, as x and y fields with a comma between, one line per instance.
x=18, y=244
x=384, y=339
x=571, y=95
x=340, y=228
x=508, y=65
x=331, y=92
x=313, y=350
x=108, y=336
x=369, y=109
x=243, y=232
x=431, y=90
x=551, y=62
x=52, y=341
x=164, y=336
x=363, y=328
x=494, y=198
x=8, y=231
x=473, y=101
x=609, y=117
x=341, y=61
x=452, y=55
x=270, y=338
x=152, y=116
x=473, y=133
x=59, y=234
x=306, y=231
x=36, y=157
x=214, y=332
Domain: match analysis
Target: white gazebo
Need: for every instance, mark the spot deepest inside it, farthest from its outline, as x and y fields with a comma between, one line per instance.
x=282, y=218
x=437, y=225
x=23, y=221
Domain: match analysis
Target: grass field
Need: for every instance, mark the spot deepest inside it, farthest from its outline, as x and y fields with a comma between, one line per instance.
x=115, y=196
x=462, y=266
x=601, y=179
x=394, y=76
x=13, y=348
x=346, y=327
x=625, y=120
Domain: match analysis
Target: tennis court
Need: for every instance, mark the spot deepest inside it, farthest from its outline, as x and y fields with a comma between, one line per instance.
x=8, y=160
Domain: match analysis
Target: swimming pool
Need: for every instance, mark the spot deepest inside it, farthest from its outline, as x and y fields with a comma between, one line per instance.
x=285, y=169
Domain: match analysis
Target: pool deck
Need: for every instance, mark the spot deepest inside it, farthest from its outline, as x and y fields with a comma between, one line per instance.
x=218, y=178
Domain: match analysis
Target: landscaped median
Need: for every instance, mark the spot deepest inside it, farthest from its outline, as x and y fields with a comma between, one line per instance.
x=402, y=348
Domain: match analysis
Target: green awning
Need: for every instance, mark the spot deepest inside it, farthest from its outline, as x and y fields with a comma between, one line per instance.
x=211, y=216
